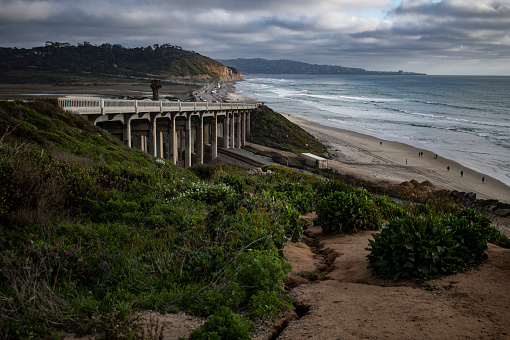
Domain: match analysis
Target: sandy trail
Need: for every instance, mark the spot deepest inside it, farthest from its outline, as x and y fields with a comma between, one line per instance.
x=350, y=303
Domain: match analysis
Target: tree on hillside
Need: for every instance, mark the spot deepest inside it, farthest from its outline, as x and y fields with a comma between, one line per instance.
x=155, y=86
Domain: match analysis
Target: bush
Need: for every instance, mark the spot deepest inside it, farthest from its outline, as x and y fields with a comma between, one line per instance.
x=224, y=324
x=258, y=270
x=257, y=278
x=348, y=213
x=428, y=246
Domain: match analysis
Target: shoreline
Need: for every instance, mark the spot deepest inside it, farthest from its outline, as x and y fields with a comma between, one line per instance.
x=377, y=160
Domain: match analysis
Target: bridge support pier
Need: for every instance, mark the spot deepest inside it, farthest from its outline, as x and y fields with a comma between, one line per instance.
x=200, y=139
x=187, y=143
x=238, y=141
x=161, y=152
x=173, y=140
x=214, y=137
x=153, y=138
x=126, y=131
x=243, y=127
x=232, y=125
x=248, y=129
x=225, y=131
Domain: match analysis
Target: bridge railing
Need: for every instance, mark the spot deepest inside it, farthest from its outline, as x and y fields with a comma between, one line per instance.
x=108, y=106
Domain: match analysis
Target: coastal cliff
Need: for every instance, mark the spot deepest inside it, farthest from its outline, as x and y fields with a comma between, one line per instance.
x=217, y=71
x=223, y=72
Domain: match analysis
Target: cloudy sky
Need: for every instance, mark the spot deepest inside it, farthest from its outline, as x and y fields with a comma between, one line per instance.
x=432, y=36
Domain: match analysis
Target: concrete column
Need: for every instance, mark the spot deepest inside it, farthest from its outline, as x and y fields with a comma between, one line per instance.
x=161, y=151
x=225, y=131
x=126, y=131
x=238, y=144
x=152, y=140
x=232, y=125
x=214, y=137
x=187, y=143
x=200, y=139
x=243, y=128
x=248, y=124
x=173, y=140
x=142, y=143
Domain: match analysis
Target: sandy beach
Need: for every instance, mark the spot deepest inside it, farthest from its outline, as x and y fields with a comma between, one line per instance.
x=378, y=160
x=387, y=162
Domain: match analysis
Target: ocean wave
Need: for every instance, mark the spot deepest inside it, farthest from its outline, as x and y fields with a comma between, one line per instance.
x=430, y=113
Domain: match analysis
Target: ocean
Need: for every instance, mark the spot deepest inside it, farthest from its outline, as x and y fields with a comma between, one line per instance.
x=462, y=118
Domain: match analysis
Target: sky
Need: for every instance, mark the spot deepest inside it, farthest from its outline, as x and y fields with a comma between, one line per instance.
x=442, y=37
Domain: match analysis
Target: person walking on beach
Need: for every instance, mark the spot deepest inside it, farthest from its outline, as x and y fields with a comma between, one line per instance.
x=406, y=161
x=461, y=173
x=483, y=179
x=448, y=168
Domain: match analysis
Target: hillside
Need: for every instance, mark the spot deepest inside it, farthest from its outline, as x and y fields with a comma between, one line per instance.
x=166, y=62
x=93, y=235
x=271, y=129
x=264, y=66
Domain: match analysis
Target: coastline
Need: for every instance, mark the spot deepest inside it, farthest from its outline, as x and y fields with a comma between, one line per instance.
x=379, y=160
x=382, y=161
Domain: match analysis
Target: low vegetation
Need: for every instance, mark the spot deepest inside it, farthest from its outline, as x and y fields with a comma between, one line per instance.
x=271, y=129
x=348, y=212
x=93, y=232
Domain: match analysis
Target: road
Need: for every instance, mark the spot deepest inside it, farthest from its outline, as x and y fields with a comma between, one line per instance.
x=209, y=92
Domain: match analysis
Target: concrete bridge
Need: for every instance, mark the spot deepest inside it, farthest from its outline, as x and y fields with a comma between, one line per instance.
x=182, y=132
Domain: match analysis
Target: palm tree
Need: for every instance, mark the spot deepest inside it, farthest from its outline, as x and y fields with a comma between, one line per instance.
x=155, y=86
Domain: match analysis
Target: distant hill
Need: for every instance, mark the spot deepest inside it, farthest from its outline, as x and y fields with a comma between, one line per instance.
x=166, y=62
x=283, y=66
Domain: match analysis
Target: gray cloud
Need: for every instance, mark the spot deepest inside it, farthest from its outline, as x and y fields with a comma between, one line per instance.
x=460, y=36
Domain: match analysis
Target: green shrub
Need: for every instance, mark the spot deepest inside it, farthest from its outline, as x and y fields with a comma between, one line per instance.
x=257, y=279
x=268, y=304
x=348, y=213
x=258, y=270
x=326, y=188
x=427, y=246
x=300, y=195
x=224, y=324
x=209, y=193
x=388, y=208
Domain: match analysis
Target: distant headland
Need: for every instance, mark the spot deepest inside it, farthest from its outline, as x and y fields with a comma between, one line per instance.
x=284, y=66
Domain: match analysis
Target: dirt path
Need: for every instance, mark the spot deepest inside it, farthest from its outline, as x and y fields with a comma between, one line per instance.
x=337, y=297
x=347, y=302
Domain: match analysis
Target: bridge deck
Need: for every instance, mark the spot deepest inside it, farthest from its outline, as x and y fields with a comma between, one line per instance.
x=99, y=106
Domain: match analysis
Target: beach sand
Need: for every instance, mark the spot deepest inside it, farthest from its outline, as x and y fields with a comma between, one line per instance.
x=386, y=162
x=380, y=161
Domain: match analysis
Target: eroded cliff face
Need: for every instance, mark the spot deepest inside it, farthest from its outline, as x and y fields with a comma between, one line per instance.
x=225, y=73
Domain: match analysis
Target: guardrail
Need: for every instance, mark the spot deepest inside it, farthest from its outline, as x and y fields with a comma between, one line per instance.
x=108, y=106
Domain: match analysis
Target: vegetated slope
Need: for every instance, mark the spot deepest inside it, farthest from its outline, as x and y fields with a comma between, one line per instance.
x=92, y=232
x=43, y=124
x=269, y=128
x=164, y=62
x=283, y=66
